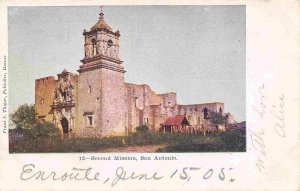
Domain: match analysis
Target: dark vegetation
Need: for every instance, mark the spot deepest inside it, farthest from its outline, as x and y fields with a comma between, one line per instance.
x=217, y=118
x=142, y=128
x=229, y=141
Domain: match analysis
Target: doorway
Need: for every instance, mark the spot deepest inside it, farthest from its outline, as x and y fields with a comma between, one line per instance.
x=65, y=125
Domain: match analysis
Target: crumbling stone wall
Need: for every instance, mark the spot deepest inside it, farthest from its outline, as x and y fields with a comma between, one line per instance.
x=44, y=97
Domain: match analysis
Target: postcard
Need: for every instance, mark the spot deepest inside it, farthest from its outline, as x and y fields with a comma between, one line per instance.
x=200, y=95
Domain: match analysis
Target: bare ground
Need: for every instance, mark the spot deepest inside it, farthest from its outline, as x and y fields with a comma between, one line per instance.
x=146, y=149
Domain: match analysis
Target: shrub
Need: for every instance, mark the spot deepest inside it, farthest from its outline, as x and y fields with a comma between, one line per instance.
x=217, y=118
x=142, y=128
x=234, y=140
x=44, y=129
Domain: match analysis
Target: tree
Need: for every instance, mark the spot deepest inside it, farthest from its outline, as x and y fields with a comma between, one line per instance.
x=24, y=116
x=217, y=118
x=44, y=129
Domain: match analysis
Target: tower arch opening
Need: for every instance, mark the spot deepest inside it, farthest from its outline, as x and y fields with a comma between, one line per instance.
x=94, y=47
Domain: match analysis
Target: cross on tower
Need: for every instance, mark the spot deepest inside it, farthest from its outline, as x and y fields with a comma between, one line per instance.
x=101, y=13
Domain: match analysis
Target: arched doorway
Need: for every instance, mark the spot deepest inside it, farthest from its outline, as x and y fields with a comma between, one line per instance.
x=65, y=125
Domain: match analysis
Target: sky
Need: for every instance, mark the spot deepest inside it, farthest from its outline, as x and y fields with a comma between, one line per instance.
x=199, y=52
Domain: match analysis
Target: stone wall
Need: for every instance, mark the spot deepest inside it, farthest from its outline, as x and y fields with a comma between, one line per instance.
x=44, y=97
x=101, y=94
x=114, y=108
x=143, y=94
x=195, y=112
x=89, y=103
x=148, y=108
x=151, y=109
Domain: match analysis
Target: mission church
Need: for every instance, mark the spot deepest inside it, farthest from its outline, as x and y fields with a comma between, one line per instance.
x=98, y=102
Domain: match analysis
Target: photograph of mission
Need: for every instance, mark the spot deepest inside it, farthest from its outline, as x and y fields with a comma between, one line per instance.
x=94, y=109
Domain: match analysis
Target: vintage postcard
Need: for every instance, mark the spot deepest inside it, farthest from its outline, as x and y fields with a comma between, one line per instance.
x=140, y=96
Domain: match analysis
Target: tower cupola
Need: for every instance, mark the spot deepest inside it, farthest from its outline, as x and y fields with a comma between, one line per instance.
x=101, y=41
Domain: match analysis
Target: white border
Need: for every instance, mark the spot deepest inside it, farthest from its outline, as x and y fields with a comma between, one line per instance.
x=273, y=47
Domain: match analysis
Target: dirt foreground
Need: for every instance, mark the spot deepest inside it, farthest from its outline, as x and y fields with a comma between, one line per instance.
x=144, y=149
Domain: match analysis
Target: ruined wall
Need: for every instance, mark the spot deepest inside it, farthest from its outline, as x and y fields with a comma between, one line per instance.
x=229, y=118
x=44, y=97
x=153, y=109
x=168, y=99
x=151, y=98
x=144, y=95
x=131, y=111
x=160, y=116
x=147, y=107
x=149, y=116
x=195, y=112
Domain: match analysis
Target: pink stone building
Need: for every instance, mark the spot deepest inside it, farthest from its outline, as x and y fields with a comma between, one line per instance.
x=98, y=102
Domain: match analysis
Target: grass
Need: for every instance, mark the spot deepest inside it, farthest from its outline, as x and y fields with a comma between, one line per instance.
x=229, y=141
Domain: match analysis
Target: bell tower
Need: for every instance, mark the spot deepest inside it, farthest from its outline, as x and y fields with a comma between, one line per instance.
x=101, y=40
x=101, y=87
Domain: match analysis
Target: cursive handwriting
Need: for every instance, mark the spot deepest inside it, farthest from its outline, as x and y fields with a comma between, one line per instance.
x=261, y=109
x=76, y=174
x=278, y=113
x=257, y=141
x=257, y=136
x=30, y=172
x=121, y=175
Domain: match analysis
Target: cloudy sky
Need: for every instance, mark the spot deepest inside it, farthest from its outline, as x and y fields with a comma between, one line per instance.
x=198, y=52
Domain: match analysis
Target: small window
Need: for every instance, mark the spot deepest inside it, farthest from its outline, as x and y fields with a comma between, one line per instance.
x=42, y=101
x=90, y=89
x=93, y=41
x=109, y=43
x=89, y=121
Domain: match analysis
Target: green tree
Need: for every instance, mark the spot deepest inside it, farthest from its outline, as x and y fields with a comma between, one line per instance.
x=24, y=116
x=217, y=118
x=44, y=129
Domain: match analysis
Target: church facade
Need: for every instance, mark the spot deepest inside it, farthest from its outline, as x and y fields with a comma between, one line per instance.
x=98, y=102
